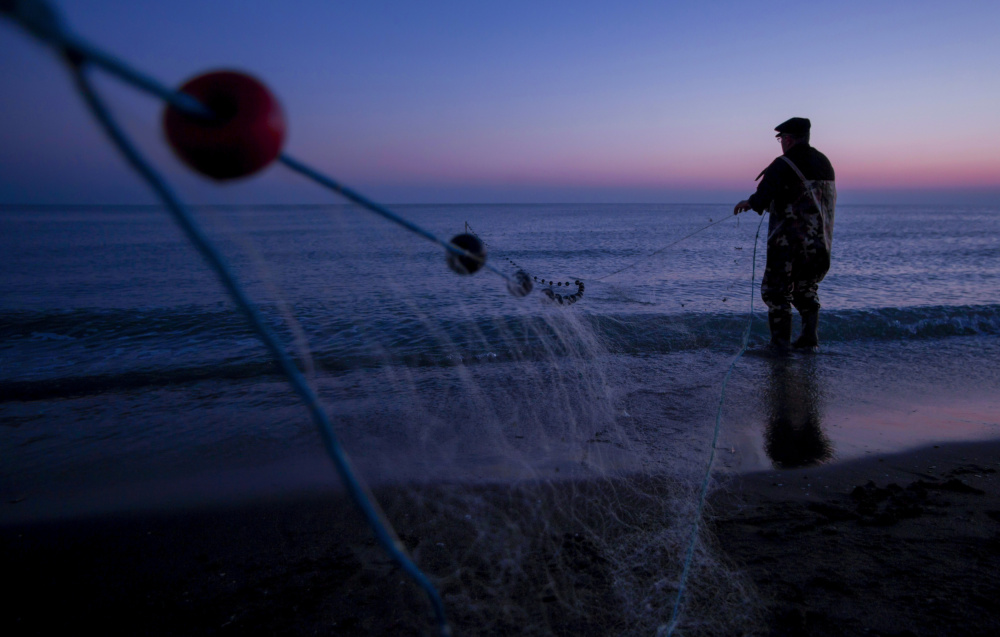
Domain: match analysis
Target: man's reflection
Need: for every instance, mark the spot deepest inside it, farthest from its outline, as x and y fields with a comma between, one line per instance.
x=794, y=436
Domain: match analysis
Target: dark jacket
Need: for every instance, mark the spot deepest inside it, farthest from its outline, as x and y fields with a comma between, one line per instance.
x=780, y=183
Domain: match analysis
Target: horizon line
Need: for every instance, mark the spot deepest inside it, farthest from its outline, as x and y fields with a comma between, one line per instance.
x=16, y=206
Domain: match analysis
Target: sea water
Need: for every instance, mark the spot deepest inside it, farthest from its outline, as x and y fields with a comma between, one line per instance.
x=128, y=378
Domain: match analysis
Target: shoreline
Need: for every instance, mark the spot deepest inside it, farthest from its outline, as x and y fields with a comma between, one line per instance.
x=828, y=550
x=901, y=544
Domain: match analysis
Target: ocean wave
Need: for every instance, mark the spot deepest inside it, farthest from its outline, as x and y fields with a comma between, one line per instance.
x=65, y=353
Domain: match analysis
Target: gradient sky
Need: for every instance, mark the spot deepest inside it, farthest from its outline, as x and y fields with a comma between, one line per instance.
x=533, y=101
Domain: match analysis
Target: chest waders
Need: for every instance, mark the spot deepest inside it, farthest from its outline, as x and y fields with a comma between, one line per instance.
x=798, y=257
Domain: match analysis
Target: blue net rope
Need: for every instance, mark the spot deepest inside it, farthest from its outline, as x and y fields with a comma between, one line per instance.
x=39, y=19
x=703, y=494
x=42, y=22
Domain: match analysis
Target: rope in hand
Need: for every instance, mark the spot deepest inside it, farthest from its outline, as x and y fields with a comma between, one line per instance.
x=703, y=494
x=42, y=21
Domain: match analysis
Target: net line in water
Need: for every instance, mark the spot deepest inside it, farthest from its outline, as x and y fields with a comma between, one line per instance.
x=41, y=22
x=579, y=281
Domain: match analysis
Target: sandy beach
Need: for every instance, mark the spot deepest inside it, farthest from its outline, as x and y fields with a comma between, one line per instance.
x=511, y=266
x=905, y=544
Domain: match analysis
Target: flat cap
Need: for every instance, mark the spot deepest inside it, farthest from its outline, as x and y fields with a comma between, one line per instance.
x=797, y=126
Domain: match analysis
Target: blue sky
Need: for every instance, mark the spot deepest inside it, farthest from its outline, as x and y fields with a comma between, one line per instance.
x=533, y=101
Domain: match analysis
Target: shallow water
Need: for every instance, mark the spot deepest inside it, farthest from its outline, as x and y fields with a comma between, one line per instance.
x=126, y=374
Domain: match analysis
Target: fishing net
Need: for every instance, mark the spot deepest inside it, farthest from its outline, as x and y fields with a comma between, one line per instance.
x=543, y=458
x=542, y=461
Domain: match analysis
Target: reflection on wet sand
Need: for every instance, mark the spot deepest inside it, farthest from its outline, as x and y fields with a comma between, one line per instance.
x=794, y=436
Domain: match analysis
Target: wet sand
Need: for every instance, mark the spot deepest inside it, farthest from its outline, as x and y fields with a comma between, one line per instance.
x=907, y=544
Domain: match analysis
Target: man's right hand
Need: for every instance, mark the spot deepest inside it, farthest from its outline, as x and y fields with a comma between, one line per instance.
x=742, y=206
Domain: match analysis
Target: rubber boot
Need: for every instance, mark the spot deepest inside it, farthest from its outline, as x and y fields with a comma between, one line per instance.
x=809, y=339
x=780, y=323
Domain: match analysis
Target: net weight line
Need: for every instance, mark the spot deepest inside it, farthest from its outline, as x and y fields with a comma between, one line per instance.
x=551, y=294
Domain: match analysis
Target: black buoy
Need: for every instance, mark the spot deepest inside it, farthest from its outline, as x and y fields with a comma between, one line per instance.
x=520, y=284
x=462, y=264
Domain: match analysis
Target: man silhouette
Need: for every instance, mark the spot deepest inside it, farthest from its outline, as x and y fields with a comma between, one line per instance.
x=798, y=190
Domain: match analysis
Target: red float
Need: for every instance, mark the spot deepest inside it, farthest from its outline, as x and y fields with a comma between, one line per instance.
x=245, y=135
